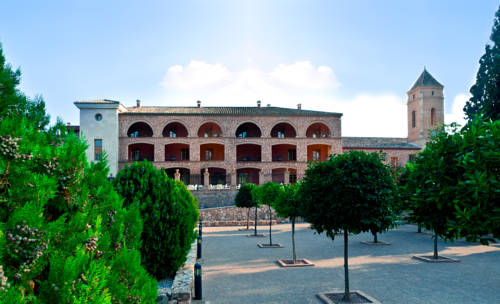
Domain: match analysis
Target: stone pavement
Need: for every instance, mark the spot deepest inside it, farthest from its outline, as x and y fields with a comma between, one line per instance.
x=235, y=270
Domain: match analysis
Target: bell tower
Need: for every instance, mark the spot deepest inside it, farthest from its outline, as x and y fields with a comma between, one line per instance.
x=425, y=108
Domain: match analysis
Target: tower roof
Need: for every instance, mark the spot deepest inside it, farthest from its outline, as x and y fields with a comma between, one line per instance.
x=426, y=80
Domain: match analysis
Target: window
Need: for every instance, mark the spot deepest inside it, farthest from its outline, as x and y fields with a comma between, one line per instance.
x=412, y=157
x=292, y=154
x=293, y=178
x=134, y=134
x=394, y=162
x=243, y=178
x=98, y=117
x=243, y=134
x=432, y=93
x=413, y=96
x=208, y=154
x=316, y=155
x=185, y=154
x=97, y=149
x=433, y=117
x=172, y=133
x=135, y=155
x=281, y=134
x=413, y=119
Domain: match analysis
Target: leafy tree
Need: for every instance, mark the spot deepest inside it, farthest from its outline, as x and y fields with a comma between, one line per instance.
x=170, y=211
x=289, y=204
x=340, y=194
x=485, y=92
x=267, y=194
x=244, y=199
x=454, y=183
x=63, y=228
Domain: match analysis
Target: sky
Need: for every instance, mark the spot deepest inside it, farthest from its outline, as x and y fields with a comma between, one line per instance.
x=355, y=57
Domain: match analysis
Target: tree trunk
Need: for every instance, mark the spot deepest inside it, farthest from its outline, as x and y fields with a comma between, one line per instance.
x=347, y=295
x=255, y=227
x=435, y=246
x=293, y=241
x=270, y=224
x=375, y=240
x=248, y=218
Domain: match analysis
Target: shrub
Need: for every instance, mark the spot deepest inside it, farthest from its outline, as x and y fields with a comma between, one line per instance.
x=62, y=225
x=168, y=208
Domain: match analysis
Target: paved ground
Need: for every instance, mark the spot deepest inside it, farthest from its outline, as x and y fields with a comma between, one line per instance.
x=235, y=270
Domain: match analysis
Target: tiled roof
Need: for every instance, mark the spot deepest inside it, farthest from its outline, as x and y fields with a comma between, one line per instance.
x=99, y=101
x=377, y=143
x=243, y=111
x=426, y=79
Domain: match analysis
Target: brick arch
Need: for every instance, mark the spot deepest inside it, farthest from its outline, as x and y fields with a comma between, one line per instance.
x=218, y=129
x=139, y=121
x=249, y=122
x=182, y=123
x=323, y=128
x=284, y=122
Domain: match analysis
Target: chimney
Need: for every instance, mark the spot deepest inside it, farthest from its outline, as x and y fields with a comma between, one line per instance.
x=199, y=104
x=299, y=106
x=258, y=103
x=138, y=103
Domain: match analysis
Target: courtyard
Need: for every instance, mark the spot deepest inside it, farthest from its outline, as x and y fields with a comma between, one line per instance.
x=235, y=270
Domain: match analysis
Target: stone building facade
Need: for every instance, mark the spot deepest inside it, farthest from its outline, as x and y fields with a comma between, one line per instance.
x=228, y=146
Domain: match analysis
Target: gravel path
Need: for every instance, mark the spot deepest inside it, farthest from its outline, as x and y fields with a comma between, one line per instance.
x=235, y=270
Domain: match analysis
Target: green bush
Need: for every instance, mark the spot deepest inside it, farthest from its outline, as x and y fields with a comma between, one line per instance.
x=63, y=230
x=169, y=210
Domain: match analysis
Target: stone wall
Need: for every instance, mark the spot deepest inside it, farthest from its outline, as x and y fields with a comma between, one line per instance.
x=215, y=198
x=234, y=216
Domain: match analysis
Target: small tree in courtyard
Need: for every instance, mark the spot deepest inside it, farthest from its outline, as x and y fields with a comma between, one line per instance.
x=267, y=195
x=454, y=183
x=289, y=204
x=244, y=199
x=339, y=193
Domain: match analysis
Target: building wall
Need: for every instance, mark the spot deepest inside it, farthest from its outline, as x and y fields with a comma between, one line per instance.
x=105, y=129
x=403, y=155
x=228, y=138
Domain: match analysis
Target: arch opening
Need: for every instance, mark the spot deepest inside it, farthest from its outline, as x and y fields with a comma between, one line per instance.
x=140, y=152
x=284, y=152
x=283, y=130
x=318, y=130
x=140, y=129
x=175, y=129
x=212, y=152
x=248, y=129
x=248, y=153
x=318, y=152
x=209, y=129
x=176, y=152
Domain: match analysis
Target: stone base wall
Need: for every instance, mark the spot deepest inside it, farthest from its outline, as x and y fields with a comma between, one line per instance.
x=234, y=216
x=215, y=198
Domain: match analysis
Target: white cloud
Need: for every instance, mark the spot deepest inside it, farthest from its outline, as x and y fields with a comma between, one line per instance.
x=305, y=75
x=197, y=74
x=286, y=85
x=457, y=110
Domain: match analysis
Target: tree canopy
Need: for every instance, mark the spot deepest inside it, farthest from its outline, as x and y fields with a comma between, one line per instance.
x=485, y=92
x=244, y=198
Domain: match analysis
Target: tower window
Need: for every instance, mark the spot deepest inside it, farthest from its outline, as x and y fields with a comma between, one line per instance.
x=98, y=117
x=433, y=117
x=413, y=119
x=97, y=149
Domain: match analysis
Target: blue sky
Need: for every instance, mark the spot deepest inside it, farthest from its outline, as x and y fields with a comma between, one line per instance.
x=354, y=57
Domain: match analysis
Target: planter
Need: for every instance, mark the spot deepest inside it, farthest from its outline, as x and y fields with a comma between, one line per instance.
x=270, y=246
x=335, y=297
x=299, y=263
x=431, y=259
x=373, y=243
x=181, y=290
